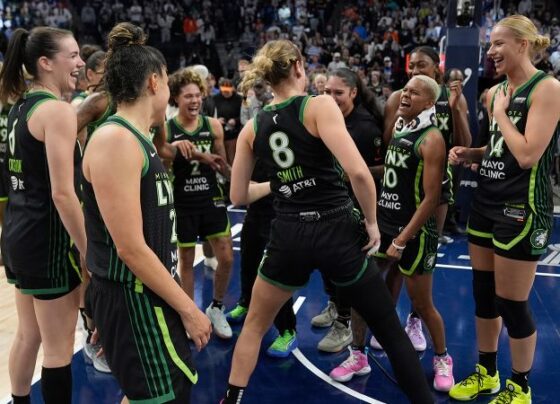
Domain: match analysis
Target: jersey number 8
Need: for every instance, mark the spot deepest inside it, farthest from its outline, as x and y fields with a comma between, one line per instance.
x=282, y=154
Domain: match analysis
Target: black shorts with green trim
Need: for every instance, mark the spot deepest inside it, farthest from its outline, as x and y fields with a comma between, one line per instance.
x=512, y=232
x=145, y=343
x=44, y=288
x=332, y=245
x=206, y=225
x=419, y=256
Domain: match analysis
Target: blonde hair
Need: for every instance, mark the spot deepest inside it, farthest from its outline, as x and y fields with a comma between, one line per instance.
x=272, y=64
x=431, y=84
x=182, y=78
x=523, y=28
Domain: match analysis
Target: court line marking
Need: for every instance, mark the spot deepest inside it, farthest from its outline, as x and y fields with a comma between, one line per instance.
x=317, y=372
x=467, y=268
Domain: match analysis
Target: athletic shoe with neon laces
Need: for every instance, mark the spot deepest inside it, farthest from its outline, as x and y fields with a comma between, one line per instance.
x=374, y=343
x=443, y=373
x=413, y=329
x=283, y=345
x=326, y=317
x=238, y=314
x=338, y=338
x=512, y=394
x=356, y=364
x=219, y=323
x=477, y=383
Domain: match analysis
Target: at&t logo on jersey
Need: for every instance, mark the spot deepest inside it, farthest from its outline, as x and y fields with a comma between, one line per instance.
x=286, y=191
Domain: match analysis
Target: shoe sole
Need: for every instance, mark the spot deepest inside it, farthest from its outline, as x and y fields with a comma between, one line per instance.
x=480, y=393
x=279, y=354
x=444, y=390
x=347, y=378
x=321, y=325
x=334, y=349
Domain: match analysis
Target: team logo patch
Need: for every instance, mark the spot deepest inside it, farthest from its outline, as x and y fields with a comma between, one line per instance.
x=429, y=261
x=433, y=119
x=377, y=142
x=539, y=238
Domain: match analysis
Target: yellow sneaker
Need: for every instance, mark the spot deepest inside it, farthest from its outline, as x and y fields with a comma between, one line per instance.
x=477, y=383
x=512, y=394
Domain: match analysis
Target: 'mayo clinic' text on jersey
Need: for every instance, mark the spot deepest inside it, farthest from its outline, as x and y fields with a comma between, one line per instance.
x=195, y=184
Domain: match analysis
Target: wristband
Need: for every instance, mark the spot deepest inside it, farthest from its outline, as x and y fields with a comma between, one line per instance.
x=398, y=247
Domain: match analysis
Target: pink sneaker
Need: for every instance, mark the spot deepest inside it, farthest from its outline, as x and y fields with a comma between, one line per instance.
x=356, y=364
x=413, y=329
x=443, y=373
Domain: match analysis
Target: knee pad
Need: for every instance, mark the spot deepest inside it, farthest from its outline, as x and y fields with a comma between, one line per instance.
x=517, y=317
x=484, y=291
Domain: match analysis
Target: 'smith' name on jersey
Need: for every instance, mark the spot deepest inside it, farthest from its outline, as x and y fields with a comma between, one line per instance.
x=395, y=160
x=164, y=190
x=493, y=167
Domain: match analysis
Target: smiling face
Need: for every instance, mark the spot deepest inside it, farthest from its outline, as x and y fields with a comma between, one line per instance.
x=415, y=97
x=420, y=63
x=189, y=101
x=505, y=50
x=342, y=94
x=66, y=64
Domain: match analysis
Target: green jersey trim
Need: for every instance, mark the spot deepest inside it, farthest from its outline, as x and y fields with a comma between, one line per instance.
x=419, y=171
x=544, y=76
x=356, y=278
x=106, y=114
x=477, y=233
x=410, y=271
x=200, y=123
x=193, y=377
x=302, y=108
x=280, y=105
x=517, y=239
x=527, y=83
x=168, y=129
x=157, y=400
x=40, y=102
x=127, y=125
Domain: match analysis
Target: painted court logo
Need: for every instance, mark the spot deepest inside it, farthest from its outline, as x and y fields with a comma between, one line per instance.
x=429, y=261
x=539, y=238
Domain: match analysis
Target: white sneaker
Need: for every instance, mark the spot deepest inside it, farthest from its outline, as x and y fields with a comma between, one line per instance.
x=99, y=362
x=338, y=338
x=219, y=323
x=375, y=344
x=414, y=331
x=326, y=317
x=211, y=262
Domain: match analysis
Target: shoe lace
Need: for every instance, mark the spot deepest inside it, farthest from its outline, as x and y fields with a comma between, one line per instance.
x=442, y=367
x=506, y=396
x=282, y=340
x=474, y=378
x=415, y=327
x=351, y=361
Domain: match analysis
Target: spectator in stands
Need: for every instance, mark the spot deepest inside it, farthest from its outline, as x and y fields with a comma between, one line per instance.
x=336, y=63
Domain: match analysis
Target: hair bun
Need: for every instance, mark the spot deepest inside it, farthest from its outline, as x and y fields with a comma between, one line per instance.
x=126, y=34
x=541, y=43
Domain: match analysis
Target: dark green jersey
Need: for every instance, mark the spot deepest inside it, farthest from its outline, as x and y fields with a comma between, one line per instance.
x=303, y=173
x=503, y=184
x=403, y=190
x=195, y=185
x=4, y=131
x=445, y=118
x=110, y=110
x=34, y=237
x=158, y=218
